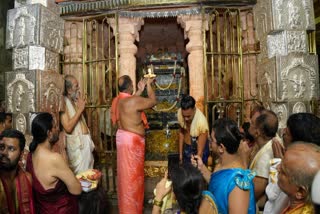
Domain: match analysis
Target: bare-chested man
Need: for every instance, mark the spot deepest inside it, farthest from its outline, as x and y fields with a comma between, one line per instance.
x=127, y=113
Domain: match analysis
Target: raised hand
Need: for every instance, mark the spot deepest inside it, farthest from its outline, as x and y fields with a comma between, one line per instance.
x=277, y=148
x=162, y=189
x=81, y=102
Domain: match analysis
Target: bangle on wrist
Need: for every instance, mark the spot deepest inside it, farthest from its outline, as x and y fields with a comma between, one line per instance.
x=157, y=203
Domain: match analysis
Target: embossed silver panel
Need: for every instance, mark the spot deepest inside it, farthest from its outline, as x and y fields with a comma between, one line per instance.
x=292, y=78
x=34, y=91
x=50, y=86
x=20, y=95
x=19, y=3
x=266, y=80
x=34, y=25
x=281, y=110
x=275, y=15
x=297, y=107
x=21, y=122
x=35, y=58
x=284, y=42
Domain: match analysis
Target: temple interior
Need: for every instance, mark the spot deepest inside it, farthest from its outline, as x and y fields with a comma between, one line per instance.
x=229, y=55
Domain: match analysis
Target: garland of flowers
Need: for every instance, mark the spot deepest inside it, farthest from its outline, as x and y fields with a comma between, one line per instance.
x=182, y=73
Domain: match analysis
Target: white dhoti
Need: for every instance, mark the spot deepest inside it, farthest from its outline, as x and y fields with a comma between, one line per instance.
x=79, y=146
x=79, y=150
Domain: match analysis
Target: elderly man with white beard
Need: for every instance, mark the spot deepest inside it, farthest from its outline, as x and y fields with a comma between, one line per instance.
x=78, y=140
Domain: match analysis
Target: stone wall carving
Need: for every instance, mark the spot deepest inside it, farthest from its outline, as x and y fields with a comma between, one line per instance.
x=284, y=42
x=20, y=122
x=50, y=87
x=285, y=78
x=35, y=58
x=34, y=25
x=20, y=92
x=281, y=111
x=298, y=77
x=284, y=15
x=25, y=94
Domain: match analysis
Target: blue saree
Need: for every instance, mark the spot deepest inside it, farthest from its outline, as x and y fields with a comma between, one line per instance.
x=224, y=181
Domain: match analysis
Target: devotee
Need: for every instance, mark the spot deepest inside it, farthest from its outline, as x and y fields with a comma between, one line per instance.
x=230, y=180
x=5, y=121
x=54, y=185
x=304, y=127
x=189, y=189
x=263, y=128
x=15, y=184
x=78, y=140
x=295, y=177
x=193, y=132
x=127, y=113
x=300, y=127
x=315, y=192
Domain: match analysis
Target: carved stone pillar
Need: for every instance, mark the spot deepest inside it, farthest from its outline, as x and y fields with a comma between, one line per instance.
x=193, y=31
x=288, y=76
x=128, y=31
x=35, y=33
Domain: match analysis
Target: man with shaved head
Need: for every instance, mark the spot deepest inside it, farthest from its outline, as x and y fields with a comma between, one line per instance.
x=297, y=170
x=127, y=113
x=263, y=128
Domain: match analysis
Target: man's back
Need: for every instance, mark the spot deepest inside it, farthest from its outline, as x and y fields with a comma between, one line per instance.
x=130, y=113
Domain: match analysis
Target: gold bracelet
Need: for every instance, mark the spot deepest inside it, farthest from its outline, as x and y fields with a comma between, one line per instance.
x=157, y=203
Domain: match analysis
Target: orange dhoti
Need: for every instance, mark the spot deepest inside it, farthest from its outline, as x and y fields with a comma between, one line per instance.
x=130, y=172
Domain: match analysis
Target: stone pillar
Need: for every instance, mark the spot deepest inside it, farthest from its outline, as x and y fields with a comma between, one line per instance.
x=192, y=26
x=128, y=31
x=35, y=33
x=288, y=76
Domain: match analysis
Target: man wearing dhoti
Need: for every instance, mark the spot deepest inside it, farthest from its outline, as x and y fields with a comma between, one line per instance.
x=127, y=114
x=193, y=135
x=78, y=140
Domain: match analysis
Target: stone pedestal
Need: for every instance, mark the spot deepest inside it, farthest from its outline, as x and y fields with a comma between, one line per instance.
x=193, y=26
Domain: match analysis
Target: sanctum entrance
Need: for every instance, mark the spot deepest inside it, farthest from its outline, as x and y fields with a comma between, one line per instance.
x=207, y=61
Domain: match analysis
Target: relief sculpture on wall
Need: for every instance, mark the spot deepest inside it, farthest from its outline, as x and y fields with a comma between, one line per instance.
x=282, y=113
x=20, y=95
x=53, y=31
x=21, y=123
x=299, y=107
x=298, y=80
x=21, y=28
x=52, y=98
x=20, y=58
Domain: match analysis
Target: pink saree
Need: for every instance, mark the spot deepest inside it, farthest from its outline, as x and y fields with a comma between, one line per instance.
x=130, y=169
